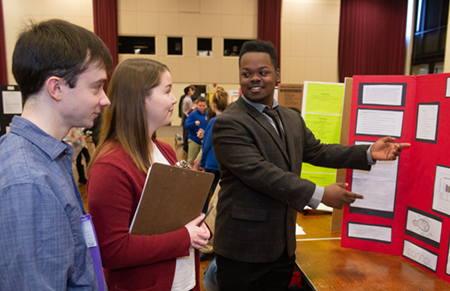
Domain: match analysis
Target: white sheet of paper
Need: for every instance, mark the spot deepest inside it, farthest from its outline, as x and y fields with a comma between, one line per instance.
x=427, y=121
x=377, y=186
x=379, y=122
x=447, y=92
x=299, y=230
x=390, y=95
x=373, y=232
x=441, y=197
x=420, y=255
x=424, y=225
x=12, y=102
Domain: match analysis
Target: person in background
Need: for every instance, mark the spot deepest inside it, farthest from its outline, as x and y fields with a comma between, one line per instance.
x=187, y=108
x=260, y=147
x=76, y=139
x=142, y=101
x=195, y=121
x=60, y=69
x=219, y=102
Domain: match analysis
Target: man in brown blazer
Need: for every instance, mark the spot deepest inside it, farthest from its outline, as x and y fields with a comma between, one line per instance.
x=260, y=177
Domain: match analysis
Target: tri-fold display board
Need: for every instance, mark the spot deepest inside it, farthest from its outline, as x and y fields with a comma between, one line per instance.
x=406, y=210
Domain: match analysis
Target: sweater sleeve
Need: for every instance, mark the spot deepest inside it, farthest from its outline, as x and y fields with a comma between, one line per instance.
x=112, y=200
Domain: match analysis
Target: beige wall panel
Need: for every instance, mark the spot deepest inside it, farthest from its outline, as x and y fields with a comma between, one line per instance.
x=285, y=40
x=298, y=40
x=314, y=13
x=229, y=70
x=211, y=6
x=331, y=13
x=294, y=71
x=189, y=24
x=250, y=7
x=168, y=5
x=87, y=22
x=161, y=45
x=127, y=23
x=168, y=24
x=189, y=6
x=126, y=5
x=249, y=26
x=147, y=23
x=189, y=46
x=313, y=69
x=210, y=25
x=232, y=26
x=330, y=41
x=314, y=40
x=173, y=63
x=147, y=5
x=217, y=47
x=69, y=8
x=209, y=69
x=189, y=70
x=232, y=7
x=86, y=8
x=286, y=12
x=329, y=70
x=299, y=12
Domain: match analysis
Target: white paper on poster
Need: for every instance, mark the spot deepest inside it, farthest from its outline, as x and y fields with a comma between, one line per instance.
x=389, y=95
x=377, y=186
x=427, y=121
x=420, y=255
x=12, y=102
x=379, y=122
x=424, y=226
x=441, y=197
x=373, y=232
x=299, y=230
x=447, y=91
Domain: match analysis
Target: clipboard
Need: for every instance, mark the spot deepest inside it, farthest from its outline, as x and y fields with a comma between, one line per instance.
x=171, y=198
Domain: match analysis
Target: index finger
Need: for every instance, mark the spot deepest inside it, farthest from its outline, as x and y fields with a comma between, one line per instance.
x=354, y=195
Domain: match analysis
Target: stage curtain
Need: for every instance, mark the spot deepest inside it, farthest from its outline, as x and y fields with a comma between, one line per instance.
x=105, y=25
x=269, y=22
x=3, y=70
x=372, y=37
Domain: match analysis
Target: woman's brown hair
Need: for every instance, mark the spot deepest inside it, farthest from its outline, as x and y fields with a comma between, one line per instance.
x=125, y=121
x=220, y=98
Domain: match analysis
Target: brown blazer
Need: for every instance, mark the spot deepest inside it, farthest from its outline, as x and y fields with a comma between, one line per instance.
x=261, y=185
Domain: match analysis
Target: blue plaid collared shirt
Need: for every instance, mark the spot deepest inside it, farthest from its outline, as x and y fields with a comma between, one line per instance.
x=41, y=241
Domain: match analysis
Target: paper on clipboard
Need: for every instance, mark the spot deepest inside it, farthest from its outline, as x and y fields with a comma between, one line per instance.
x=171, y=198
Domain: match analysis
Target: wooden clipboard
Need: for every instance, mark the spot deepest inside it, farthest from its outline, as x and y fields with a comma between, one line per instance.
x=171, y=198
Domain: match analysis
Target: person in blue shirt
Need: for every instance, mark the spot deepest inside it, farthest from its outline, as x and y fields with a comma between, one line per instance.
x=219, y=102
x=60, y=69
x=194, y=122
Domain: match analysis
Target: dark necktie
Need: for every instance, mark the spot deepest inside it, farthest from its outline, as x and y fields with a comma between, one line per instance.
x=276, y=118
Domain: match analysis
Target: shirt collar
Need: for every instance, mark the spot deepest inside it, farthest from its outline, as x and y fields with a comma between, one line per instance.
x=258, y=106
x=48, y=144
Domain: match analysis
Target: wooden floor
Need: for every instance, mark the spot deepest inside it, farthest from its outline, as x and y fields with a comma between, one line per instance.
x=165, y=134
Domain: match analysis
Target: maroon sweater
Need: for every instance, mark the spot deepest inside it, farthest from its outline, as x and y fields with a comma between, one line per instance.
x=131, y=262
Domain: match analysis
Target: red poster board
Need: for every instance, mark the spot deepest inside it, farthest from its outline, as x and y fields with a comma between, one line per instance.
x=419, y=220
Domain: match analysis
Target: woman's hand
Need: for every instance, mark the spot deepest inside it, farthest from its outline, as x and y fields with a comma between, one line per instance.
x=199, y=234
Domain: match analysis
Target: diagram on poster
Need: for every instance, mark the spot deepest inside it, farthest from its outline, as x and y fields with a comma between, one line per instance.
x=441, y=196
x=420, y=255
x=424, y=226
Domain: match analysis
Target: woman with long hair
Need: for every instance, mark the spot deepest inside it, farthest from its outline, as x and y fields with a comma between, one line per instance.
x=141, y=102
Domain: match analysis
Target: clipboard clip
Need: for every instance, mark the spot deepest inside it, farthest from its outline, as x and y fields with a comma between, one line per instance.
x=183, y=164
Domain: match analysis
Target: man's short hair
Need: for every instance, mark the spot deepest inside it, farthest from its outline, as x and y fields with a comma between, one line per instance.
x=186, y=90
x=200, y=99
x=56, y=48
x=260, y=46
